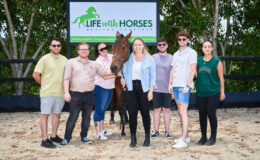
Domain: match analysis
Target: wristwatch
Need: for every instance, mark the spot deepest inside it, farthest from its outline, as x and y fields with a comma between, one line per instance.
x=188, y=86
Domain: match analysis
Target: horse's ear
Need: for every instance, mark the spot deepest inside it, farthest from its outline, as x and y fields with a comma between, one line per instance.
x=129, y=35
x=117, y=34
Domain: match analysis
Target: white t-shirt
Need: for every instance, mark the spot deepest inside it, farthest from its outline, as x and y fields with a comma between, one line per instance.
x=136, y=72
x=181, y=62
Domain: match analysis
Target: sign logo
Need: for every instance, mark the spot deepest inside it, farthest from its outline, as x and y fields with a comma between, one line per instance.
x=91, y=14
x=98, y=22
x=90, y=20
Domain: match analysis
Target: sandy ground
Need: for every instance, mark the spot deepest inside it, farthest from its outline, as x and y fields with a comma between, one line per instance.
x=238, y=138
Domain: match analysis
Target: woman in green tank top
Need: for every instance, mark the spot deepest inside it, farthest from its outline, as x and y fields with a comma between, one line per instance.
x=209, y=91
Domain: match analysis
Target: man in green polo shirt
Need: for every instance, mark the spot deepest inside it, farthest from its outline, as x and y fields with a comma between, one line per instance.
x=49, y=74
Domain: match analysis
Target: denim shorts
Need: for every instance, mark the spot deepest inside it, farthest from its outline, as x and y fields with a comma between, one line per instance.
x=52, y=104
x=161, y=100
x=181, y=98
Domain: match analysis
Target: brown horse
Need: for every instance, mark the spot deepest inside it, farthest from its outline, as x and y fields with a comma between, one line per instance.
x=121, y=50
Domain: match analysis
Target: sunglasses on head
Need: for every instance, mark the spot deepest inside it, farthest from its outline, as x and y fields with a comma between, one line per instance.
x=102, y=49
x=183, y=39
x=54, y=45
x=163, y=44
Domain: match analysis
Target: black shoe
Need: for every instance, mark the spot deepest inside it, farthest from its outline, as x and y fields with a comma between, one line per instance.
x=211, y=141
x=147, y=141
x=47, y=144
x=56, y=139
x=202, y=141
x=133, y=141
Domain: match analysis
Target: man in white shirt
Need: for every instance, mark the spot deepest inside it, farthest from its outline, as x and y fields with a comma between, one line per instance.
x=184, y=65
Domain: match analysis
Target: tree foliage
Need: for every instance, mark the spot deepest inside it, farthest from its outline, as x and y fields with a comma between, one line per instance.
x=26, y=28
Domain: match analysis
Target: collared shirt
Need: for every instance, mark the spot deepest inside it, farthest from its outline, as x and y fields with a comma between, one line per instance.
x=105, y=62
x=51, y=70
x=181, y=62
x=148, y=73
x=82, y=75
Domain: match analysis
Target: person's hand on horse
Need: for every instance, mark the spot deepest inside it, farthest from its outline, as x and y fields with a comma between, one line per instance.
x=67, y=97
x=150, y=96
x=119, y=74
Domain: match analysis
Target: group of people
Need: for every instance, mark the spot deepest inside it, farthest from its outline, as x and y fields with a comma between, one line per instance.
x=158, y=78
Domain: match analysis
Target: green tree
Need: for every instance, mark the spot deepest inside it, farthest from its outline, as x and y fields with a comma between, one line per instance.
x=27, y=26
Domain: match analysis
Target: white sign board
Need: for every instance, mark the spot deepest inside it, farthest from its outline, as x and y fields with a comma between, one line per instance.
x=94, y=22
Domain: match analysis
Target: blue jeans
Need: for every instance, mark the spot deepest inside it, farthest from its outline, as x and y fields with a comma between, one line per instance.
x=79, y=101
x=102, y=100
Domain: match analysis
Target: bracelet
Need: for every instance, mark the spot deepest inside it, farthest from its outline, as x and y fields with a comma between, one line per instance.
x=188, y=86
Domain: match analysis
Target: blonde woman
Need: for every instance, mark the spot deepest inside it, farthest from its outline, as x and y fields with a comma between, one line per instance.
x=139, y=76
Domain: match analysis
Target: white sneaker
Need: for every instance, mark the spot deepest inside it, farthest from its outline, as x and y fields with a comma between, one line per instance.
x=101, y=136
x=187, y=140
x=180, y=144
x=105, y=132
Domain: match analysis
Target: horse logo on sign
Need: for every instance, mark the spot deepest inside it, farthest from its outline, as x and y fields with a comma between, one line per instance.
x=91, y=13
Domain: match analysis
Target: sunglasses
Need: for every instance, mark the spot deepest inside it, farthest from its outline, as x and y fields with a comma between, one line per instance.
x=163, y=44
x=54, y=45
x=183, y=39
x=102, y=49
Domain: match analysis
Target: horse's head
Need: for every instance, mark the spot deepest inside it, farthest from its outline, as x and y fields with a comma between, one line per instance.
x=91, y=10
x=121, y=50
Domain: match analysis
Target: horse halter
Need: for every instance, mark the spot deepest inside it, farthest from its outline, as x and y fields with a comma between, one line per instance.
x=128, y=54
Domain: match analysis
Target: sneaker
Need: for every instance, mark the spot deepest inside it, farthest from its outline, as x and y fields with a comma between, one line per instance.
x=180, y=144
x=187, y=140
x=101, y=136
x=168, y=134
x=155, y=134
x=47, y=144
x=57, y=139
x=107, y=133
x=85, y=140
x=63, y=143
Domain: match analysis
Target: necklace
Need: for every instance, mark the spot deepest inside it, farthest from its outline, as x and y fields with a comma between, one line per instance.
x=206, y=60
